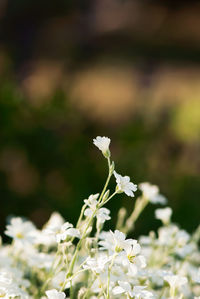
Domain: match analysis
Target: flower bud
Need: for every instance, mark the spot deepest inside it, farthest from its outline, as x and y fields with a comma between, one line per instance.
x=106, y=195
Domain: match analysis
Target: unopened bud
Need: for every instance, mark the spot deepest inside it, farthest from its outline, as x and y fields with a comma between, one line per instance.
x=106, y=195
x=112, y=167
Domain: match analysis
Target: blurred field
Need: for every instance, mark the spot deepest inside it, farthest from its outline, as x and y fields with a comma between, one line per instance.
x=70, y=71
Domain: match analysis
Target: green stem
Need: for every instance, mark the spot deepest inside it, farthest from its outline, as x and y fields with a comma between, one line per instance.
x=109, y=272
x=88, y=290
x=51, y=272
x=103, y=203
x=81, y=215
x=107, y=181
x=71, y=266
x=121, y=218
x=140, y=204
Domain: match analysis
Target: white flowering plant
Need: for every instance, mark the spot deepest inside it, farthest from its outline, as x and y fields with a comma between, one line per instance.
x=62, y=261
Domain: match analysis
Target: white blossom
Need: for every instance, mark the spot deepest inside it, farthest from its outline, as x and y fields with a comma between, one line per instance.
x=124, y=184
x=103, y=144
x=133, y=292
x=54, y=294
x=62, y=232
x=175, y=281
x=164, y=214
x=92, y=201
x=151, y=193
x=114, y=242
x=96, y=264
x=40, y=263
x=102, y=214
x=21, y=231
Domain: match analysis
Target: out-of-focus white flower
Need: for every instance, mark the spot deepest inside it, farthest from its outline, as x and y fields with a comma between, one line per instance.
x=54, y=223
x=67, y=230
x=39, y=259
x=113, y=242
x=197, y=276
x=103, y=145
x=59, y=279
x=124, y=184
x=96, y=264
x=10, y=281
x=54, y=294
x=186, y=250
x=164, y=214
x=151, y=193
x=20, y=230
x=102, y=214
x=55, y=220
x=172, y=236
x=175, y=281
x=135, y=292
x=92, y=200
x=62, y=232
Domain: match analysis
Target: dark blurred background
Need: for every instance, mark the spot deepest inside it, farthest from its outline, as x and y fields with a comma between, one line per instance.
x=72, y=70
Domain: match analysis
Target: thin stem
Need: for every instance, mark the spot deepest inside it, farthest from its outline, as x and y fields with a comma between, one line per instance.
x=81, y=215
x=140, y=204
x=103, y=203
x=52, y=271
x=71, y=266
x=107, y=181
x=121, y=218
x=109, y=272
x=88, y=290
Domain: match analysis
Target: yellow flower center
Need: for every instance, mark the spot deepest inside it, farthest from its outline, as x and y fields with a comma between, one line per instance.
x=118, y=249
x=19, y=236
x=2, y=294
x=131, y=258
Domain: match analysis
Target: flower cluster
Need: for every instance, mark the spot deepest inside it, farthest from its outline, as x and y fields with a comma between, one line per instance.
x=62, y=261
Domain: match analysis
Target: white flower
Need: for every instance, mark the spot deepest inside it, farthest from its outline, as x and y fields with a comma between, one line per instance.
x=101, y=214
x=39, y=259
x=113, y=241
x=20, y=230
x=58, y=280
x=10, y=280
x=164, y=214
x=175, y=281
x=67, y=230
x=62, y=232
x=124, y=184
x=92, y=201
x=54, y=294
x=103, y=144
x=131, y=255
x=151, y=193
x=135, y=292
x=55, y=220
x=196, y=276
x=96, y=264
x=45, y=236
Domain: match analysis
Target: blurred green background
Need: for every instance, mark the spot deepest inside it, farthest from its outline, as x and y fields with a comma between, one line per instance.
x=72, y=70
